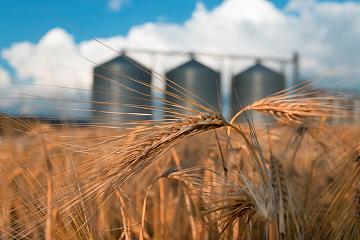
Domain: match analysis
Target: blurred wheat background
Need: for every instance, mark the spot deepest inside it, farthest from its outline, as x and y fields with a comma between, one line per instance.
x=194, y=177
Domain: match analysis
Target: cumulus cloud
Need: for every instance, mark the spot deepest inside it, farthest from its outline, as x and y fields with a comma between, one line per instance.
x=53, y=60
x=325, y=33
x=116, y=5
x=4, y=79
x=43, y=69
x=5, y=86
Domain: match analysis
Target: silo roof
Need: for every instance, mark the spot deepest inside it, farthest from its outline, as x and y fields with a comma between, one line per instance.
x=192, y=64
x=258, y=67
x=123, y=59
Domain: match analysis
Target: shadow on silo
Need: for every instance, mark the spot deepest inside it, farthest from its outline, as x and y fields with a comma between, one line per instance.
x=121, y=91
x=202, y=82
x=253, y=84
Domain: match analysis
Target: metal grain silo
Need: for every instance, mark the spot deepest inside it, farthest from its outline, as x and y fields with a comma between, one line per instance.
x=253, y=84
x=115, y=95
x=197, y=78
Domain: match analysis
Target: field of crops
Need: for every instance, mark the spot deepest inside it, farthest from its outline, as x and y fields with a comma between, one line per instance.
x=195, y=176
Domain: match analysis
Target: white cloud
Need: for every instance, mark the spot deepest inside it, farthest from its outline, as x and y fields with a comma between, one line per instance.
x=4, y=79
x=5, y=88
x=54, y=61
x=51, y=61
x=325, y=33
x=116, y=5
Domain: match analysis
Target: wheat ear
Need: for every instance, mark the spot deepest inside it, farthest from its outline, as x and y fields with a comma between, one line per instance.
x=299, y=103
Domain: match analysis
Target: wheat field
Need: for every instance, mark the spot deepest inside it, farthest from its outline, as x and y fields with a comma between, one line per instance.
x=192, y=175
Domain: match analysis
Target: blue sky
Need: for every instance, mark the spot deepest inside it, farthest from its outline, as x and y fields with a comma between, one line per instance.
x=30, y=20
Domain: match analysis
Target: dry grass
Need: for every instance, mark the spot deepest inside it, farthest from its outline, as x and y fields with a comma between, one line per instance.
x=186, y=177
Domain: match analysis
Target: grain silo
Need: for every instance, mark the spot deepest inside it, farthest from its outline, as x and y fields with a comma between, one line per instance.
x=116, y=96
x=254, y=83
x=202, y=81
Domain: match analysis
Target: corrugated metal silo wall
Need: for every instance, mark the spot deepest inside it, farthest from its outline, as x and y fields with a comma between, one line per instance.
x=200, y=80
x=114, y=92
x=254, y=84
